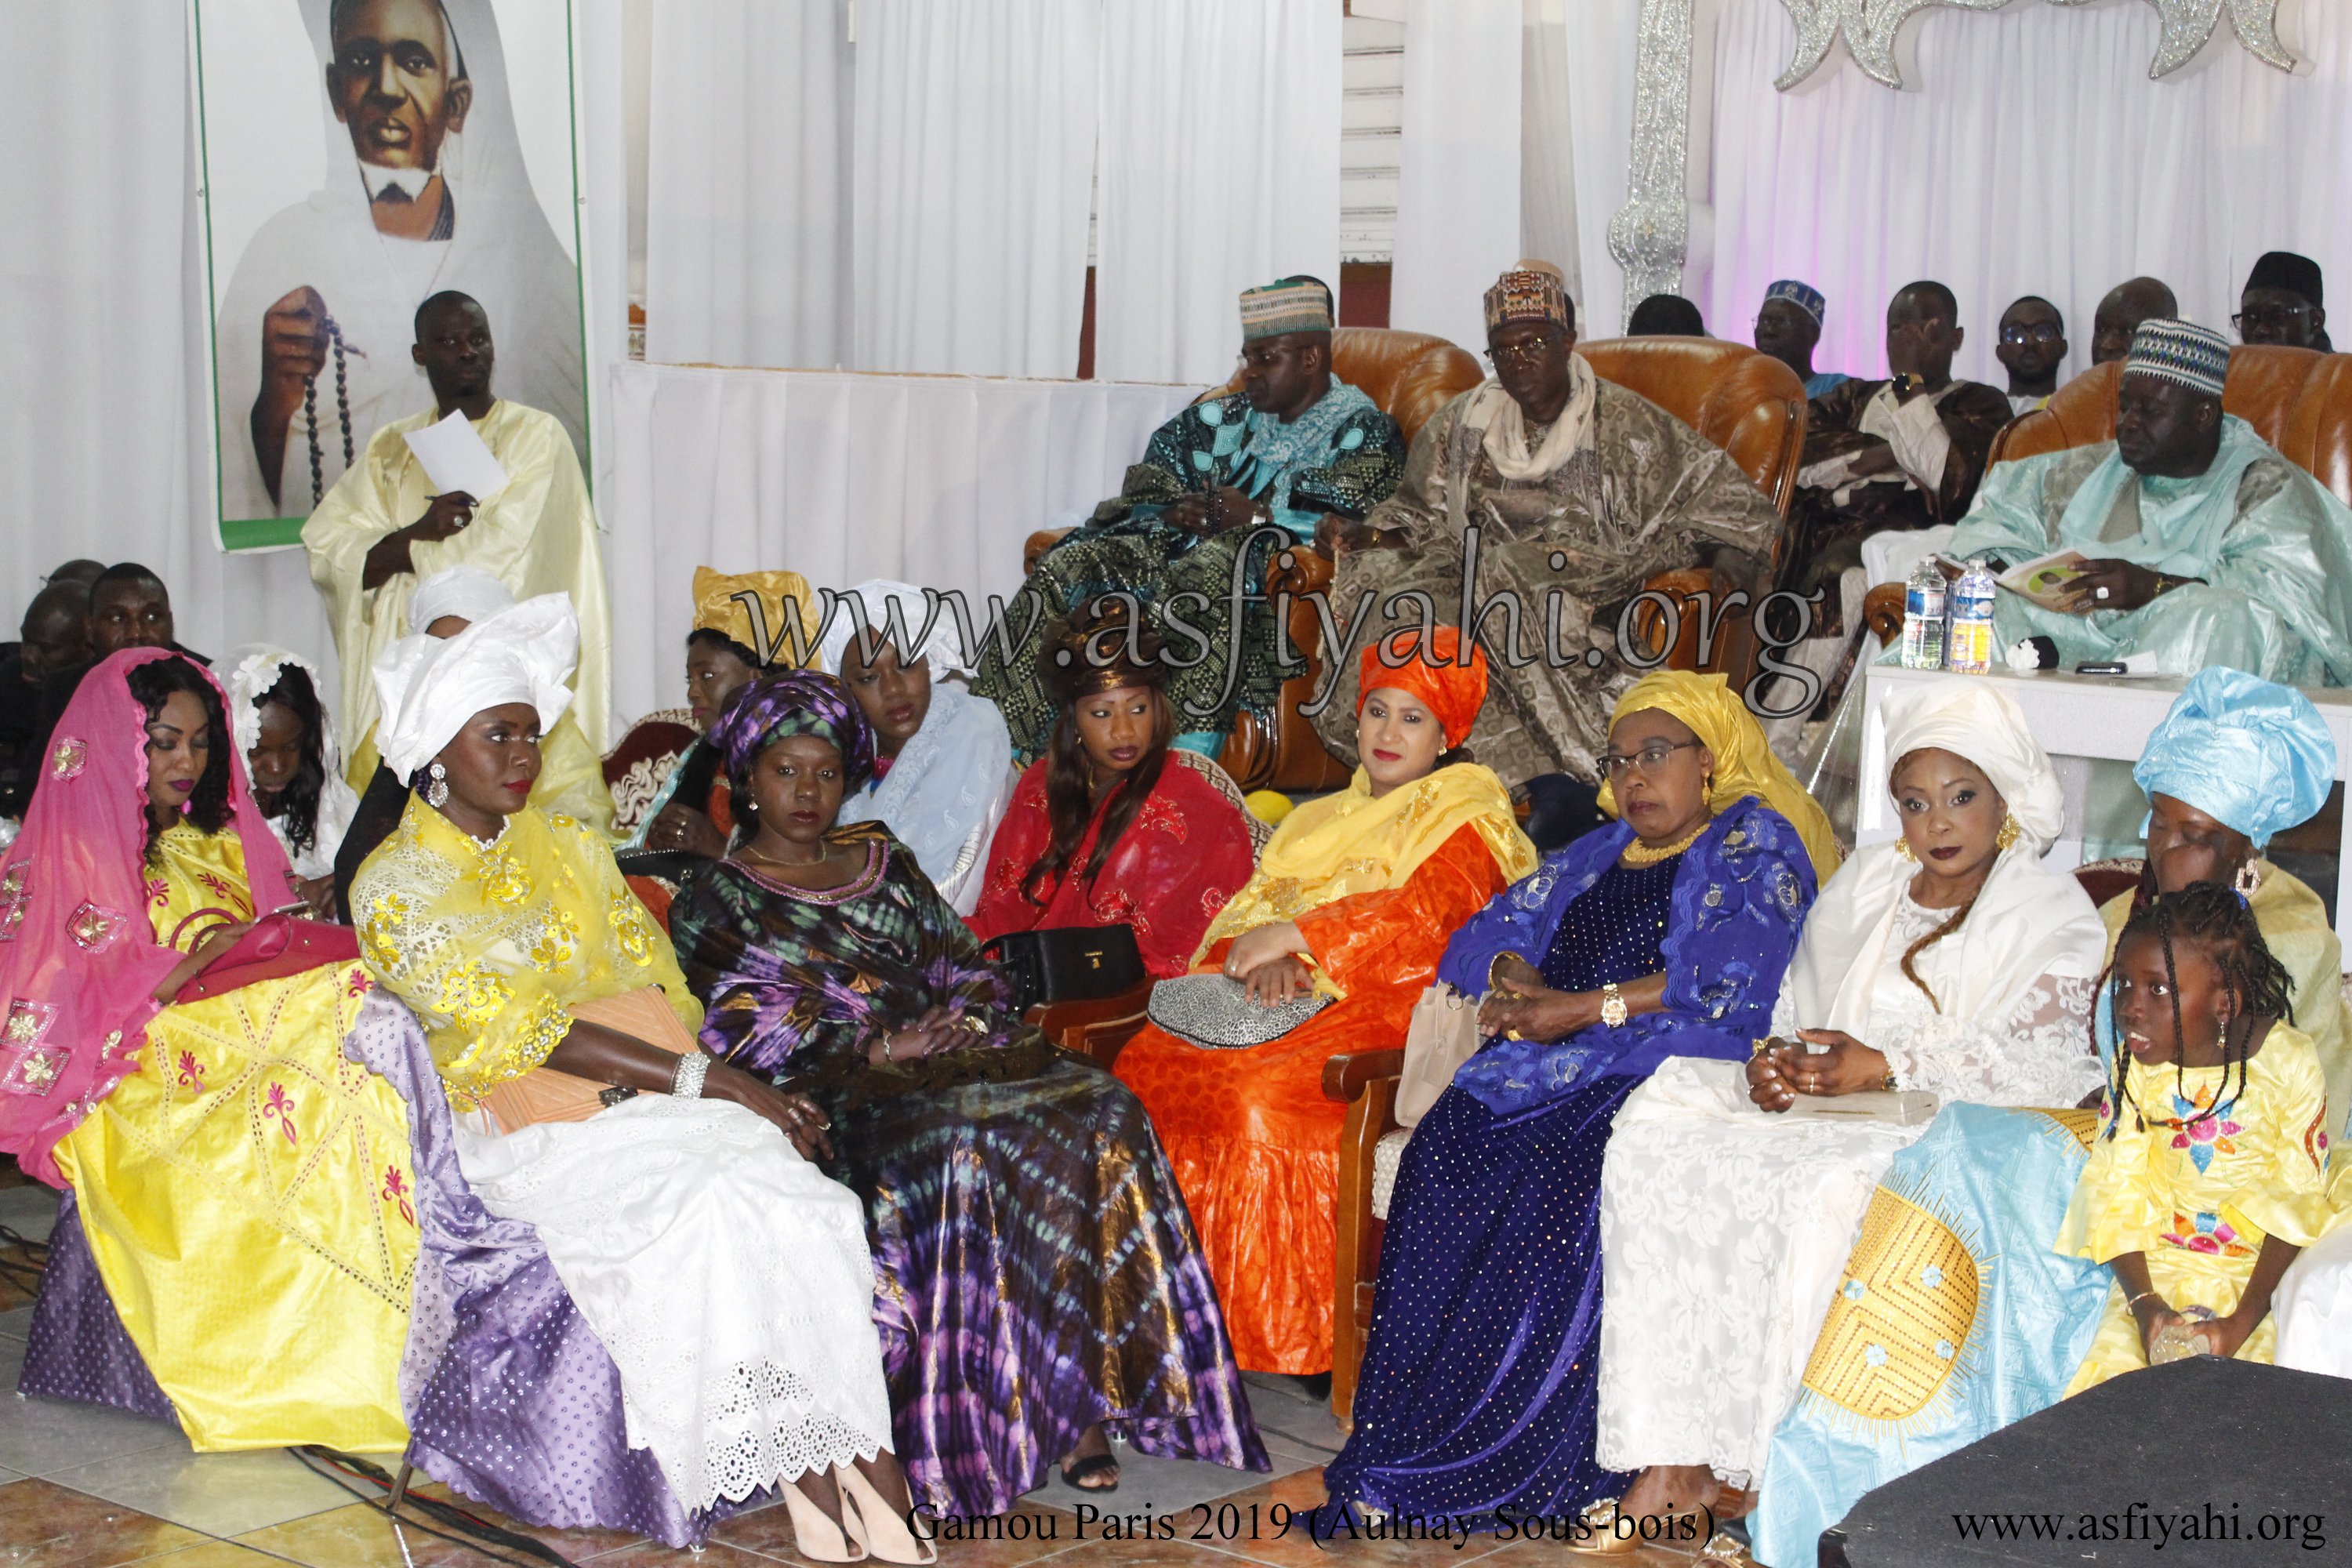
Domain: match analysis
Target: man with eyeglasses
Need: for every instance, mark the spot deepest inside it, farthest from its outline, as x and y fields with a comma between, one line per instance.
x=1295, y=452
x=1581, y=491
x=2122, y=311
x=2201, y=544
x=1907, y=452
x=2284, y=303
x=2032, y=347
x=1789, y=328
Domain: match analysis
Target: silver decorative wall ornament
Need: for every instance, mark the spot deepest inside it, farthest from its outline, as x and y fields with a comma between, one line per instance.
x=1871, y=26
x=1650, y=232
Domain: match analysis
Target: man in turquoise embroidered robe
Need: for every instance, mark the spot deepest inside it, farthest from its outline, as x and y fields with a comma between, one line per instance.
x=2206, y=546
x=1221, y=486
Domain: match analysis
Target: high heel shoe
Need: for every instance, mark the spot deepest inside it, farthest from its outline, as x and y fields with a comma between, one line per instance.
x=815, y=1536
x=877, y=1527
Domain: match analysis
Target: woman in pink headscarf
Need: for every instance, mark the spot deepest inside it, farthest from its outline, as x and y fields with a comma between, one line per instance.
x=242, y=1191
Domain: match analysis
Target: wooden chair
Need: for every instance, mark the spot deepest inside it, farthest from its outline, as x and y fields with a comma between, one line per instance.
x=1371, y=1144
x=2298, y=400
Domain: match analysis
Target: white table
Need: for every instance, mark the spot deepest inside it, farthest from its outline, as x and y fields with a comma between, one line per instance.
x=2077, y=718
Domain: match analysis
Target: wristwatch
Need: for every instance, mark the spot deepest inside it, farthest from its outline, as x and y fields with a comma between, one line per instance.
x=1612, y=1006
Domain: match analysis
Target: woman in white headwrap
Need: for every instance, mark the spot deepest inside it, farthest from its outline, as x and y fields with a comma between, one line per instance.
x=287, y=740
x=1948, y=961
x=943, y=769
x=571, y=776
x=727, y=1275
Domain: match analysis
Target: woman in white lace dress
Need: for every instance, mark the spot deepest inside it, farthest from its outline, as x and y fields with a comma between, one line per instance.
x=1950, y=960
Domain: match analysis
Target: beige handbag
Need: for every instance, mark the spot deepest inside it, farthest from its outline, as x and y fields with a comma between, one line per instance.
x=544, y=1094
x=1444, y=1034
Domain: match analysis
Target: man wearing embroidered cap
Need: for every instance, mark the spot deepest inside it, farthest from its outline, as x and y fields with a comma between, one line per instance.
x=1294, y=447
x=2202, y=545
x=1581, y=491
x=1789, y=328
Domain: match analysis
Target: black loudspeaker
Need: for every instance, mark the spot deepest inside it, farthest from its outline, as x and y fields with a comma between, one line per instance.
x=2202, y=1461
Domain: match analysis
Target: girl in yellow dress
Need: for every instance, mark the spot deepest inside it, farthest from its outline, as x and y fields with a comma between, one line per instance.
x=2210, y=1166
x=240, y=1188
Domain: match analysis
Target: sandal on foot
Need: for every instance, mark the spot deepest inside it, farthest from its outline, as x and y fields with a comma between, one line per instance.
x=1601, y=1535
x=1075, y=1476
x=1723, y=1551
x=876, y=1528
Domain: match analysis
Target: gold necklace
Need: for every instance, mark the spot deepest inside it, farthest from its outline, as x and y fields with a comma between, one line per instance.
x=1640, y=854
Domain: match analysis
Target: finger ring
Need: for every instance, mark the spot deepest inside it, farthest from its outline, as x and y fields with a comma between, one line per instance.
x=1511, y=1034
x=2098, y=592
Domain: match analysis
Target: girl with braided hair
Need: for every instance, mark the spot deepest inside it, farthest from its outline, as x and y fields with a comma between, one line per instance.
x=1950, y=962
x=2209, y=1169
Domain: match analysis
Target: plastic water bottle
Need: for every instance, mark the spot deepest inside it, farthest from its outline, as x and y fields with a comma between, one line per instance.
x=1923, y=618
x=1969, y=648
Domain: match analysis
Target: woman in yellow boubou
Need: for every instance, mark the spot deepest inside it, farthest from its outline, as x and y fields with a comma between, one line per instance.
x=243, y=1190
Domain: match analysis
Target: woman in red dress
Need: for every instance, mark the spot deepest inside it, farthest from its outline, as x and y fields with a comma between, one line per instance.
x=1113, y=826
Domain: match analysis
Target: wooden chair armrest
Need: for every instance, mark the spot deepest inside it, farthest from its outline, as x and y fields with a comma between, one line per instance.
x=1098, y=1029
x=1039, y=542
x=1300, y=570
x=1345, y=1075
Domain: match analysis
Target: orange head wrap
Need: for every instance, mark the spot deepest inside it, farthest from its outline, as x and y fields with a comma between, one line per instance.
x=1454, y=689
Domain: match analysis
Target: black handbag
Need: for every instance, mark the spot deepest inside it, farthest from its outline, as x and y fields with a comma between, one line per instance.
x=1066, y=963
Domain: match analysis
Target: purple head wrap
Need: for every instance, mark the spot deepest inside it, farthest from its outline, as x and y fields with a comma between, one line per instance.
x=798, y=702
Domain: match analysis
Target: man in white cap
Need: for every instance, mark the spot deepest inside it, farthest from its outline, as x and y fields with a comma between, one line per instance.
x=2201, y=544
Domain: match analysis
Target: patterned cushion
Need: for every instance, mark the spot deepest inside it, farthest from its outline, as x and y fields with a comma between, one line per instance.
x=1386, y=1153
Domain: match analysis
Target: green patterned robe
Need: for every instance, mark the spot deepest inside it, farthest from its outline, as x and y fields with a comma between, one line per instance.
x=1342, y=456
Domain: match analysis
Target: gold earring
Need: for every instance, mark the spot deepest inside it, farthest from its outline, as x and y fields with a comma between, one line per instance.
x=1903, y=850
x=2008, y=834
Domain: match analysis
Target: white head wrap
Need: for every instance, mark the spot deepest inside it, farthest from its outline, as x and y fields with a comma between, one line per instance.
x=253, y=671
x=2028, y=922
x=430, y=687
x=880, y=598
x=467, y=592
x=1973, y=720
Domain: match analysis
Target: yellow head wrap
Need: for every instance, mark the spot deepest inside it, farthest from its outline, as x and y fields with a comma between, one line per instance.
x=1744, y=762
x=773, y=613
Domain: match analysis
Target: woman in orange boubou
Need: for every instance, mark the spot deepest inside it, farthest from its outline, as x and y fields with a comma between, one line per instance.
x=1354, y=897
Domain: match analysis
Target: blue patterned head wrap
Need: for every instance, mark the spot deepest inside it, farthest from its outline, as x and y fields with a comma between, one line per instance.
x=799, y=702
x=1803, y=296
x=2250, y=753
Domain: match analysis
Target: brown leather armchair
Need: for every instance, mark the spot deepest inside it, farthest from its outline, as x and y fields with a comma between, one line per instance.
x=1411, y=375
x=1747, y=403
x=2298, y=400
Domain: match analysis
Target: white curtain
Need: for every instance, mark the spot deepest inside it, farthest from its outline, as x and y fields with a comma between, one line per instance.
x=747, y=191
x=2030, y=155
x=1458, y=178
x=102, y=453
x=936, y=480
x=1599, y=68
x=1547, y=206
x=1220, y=169
x=975, y=148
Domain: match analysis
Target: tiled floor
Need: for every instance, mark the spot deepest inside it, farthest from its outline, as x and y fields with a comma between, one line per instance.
x=82, y=1488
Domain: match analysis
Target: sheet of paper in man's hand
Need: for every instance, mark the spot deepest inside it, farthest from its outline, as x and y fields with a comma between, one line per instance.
x=455, y=458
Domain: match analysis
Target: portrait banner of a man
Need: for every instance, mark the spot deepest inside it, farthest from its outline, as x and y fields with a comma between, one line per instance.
x=357, y=158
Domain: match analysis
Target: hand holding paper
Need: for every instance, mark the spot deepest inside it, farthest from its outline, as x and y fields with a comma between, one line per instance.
x=455, y=458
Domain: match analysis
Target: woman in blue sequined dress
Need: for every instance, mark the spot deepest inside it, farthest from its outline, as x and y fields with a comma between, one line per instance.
x=1662, y=934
